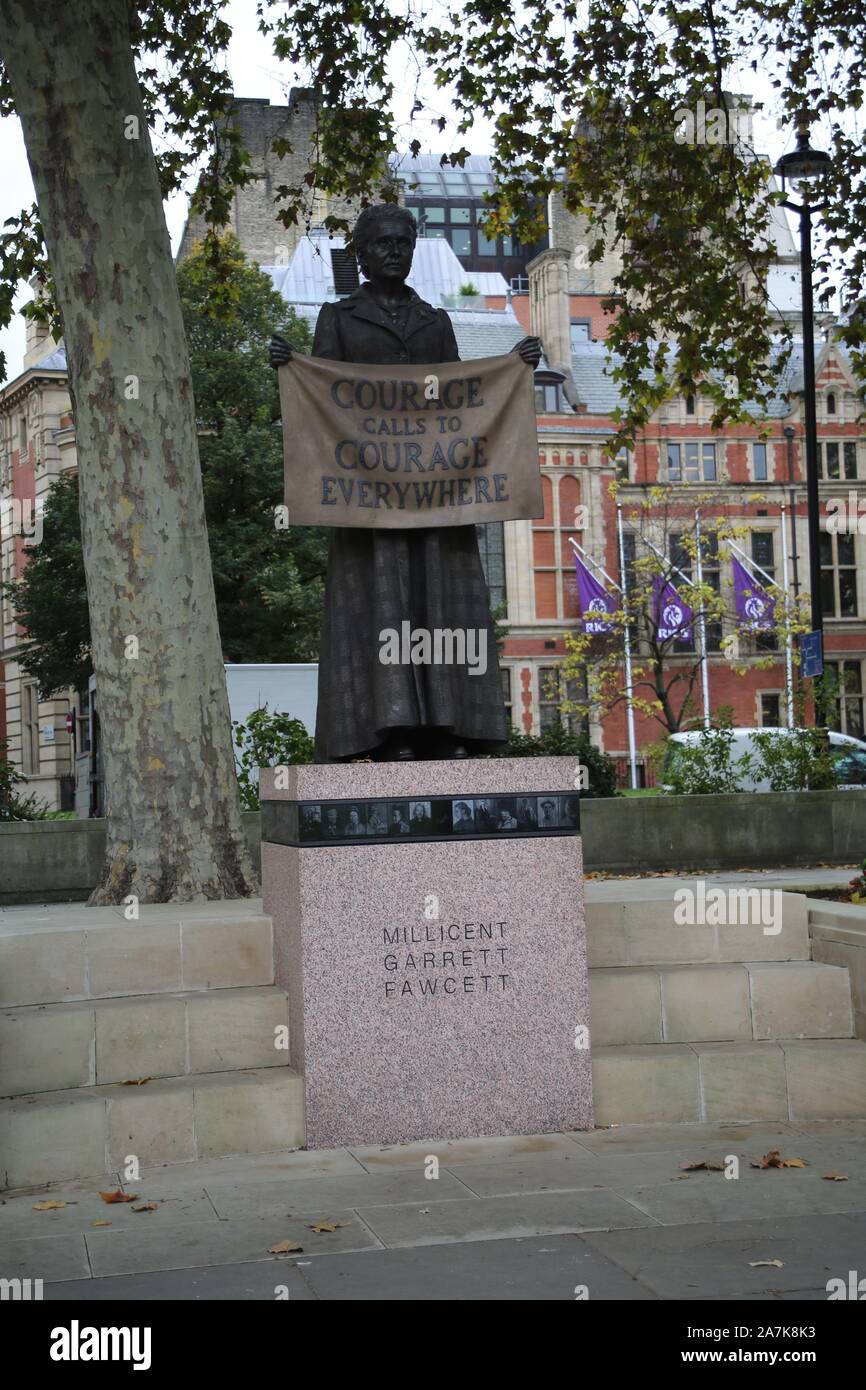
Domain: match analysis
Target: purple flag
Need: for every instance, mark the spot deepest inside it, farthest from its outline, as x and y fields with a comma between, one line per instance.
x=594, y=600
x=755, y=609
x=672, y=617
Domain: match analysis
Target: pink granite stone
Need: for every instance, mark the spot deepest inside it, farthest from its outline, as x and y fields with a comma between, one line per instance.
x=407, y=1020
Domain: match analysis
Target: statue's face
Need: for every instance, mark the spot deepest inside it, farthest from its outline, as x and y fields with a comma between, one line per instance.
x=388, y=257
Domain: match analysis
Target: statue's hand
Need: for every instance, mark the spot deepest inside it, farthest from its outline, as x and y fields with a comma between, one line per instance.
x=529, y=351
x=279, y=351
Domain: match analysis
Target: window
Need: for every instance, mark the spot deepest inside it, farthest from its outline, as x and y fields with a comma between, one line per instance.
x=763, y=554
x=486, y=247
x=548, y=398
x=491, y=544
x=551, y=691
x=771, y=711
x=691, y=463
x=30, y=727
x=461, y=241
x=463, y=215
x=759, y=462
x=579, y=332
x=851, y=768
x=690, y=405
x=622, y=464
x=847, y=679
x=22, y=434
x=831, y=403
x=829, y=458
x=838, y=576
x=505, y=674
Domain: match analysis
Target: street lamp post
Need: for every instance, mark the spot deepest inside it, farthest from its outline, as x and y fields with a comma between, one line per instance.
x=789, y=432
x=803, y=164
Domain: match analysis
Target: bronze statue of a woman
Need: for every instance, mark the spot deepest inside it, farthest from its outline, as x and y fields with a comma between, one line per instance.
x=378, y=579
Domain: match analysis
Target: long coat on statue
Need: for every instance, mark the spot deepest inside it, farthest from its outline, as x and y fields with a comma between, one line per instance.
x=431, y=578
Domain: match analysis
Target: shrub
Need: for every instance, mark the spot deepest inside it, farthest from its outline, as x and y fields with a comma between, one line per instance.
x=557, y=742
x=705, y=767
x=12, y=806
x=267, y=739
x=802, y=760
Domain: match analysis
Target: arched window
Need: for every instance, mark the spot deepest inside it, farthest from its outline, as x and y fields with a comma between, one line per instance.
x=831, y=402
x=690, y=405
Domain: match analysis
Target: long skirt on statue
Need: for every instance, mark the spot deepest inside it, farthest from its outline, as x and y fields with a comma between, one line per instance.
x=379, y=580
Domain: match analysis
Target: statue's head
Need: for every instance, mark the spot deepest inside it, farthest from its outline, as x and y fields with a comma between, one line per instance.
x=384, y=239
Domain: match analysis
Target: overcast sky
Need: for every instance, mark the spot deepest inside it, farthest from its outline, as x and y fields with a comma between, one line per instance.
x=256, y=73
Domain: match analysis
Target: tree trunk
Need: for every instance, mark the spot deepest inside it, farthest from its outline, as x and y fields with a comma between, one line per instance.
x=174, y=825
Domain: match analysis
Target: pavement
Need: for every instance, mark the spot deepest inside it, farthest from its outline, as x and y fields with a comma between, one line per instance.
x=608, y=1214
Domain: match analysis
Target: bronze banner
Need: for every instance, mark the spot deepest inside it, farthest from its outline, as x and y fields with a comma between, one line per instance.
x=381, y=446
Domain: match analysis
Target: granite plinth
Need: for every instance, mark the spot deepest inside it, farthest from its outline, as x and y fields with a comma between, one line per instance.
x=437, y=979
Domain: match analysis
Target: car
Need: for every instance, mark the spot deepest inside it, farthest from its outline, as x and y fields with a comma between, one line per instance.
x=850, y=760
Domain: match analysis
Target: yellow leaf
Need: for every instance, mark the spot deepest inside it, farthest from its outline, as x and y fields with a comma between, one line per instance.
x=119, y=1196
x=100, y=1223
x=285, y=1247
x=49, y=1206
x=793, y=1163
x=321, y=1226
x=776, y=1264
x=145, y=1206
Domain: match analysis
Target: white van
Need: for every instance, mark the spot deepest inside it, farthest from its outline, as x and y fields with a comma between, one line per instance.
x=850, y=761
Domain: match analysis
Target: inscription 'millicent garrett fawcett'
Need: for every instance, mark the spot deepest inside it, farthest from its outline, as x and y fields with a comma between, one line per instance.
x=425, y=973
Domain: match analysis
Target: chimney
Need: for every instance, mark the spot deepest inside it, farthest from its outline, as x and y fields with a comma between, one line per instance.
x=37, y=340
x=549, y=308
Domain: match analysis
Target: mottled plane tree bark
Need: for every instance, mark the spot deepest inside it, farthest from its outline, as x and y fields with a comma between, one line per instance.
x=174, y=823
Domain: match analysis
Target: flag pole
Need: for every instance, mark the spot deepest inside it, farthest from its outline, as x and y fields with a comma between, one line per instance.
x=595, y=565
x=629, y=690
x=789, y=661
x=702, y=623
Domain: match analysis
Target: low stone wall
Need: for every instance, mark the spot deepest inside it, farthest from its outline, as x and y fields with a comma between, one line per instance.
x=59, y=861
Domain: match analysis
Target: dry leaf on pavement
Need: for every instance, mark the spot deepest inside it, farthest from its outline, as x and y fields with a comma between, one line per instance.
x=119, y=1196
x=777, y=1264
x=48, y=1206
x=835, y=1177
x=285, y=1247
x=146, y=1206
x=321, y=1226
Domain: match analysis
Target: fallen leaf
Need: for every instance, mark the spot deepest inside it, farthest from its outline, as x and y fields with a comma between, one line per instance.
x=146, y=1206
x=100, y=1223
x=49, y=1206
x=772, y=1159
x=139, y=1081
x=835, y=1177
x=321, y=1226
x=777, y=1264
x=714, y=1165
x=793, y=1163
x=119, y=1196
x=285, y=1247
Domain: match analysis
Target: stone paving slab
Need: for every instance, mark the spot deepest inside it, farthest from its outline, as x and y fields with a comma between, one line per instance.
x=491, y=1218
x=706, y=1260
x=49, y=1257
x=697, y=1200
x=235, y=1283
x=369, y=1190
x=17, y=1214
x=546, y=1267
x=450, y=1151
x=221, y=1242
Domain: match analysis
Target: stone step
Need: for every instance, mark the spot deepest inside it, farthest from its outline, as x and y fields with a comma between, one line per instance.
x=678, y=1083
x=649, y=931
x=752, y=1002
x=68, y=1134
x=53, y=1047
x=97, y=954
